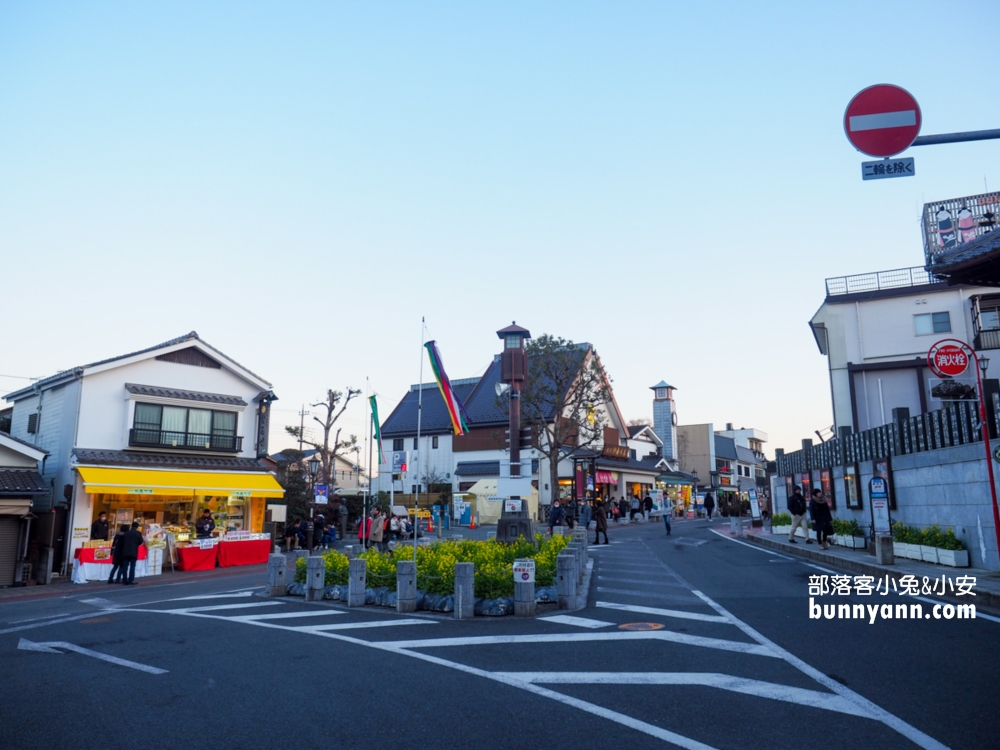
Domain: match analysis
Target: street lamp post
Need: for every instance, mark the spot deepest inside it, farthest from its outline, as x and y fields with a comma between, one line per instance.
x=981, y=364
x=310, y=525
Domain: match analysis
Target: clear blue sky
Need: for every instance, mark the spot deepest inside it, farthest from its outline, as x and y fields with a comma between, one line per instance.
x=300, y=182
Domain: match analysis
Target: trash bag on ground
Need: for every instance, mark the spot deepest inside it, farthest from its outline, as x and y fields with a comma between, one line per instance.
x=437, y=602
x=546, y=594
x=495, y=607
x=295, y=589
x=336, y=592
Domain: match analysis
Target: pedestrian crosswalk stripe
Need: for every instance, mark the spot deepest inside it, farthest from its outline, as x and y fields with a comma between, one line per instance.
x=663, y=612
x=603, y=578
x=217, y=607
x=288, y=615
x=359, y=625
x=238, y=595
x=759, y=688
x=643, y=594
x=580, y=622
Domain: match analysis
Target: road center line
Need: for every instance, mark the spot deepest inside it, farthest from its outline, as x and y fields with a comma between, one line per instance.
x=751, y=546
x=820, y=567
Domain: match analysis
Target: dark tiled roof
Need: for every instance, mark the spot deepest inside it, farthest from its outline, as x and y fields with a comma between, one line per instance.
x=635, y=429
x=211, y=398
x=77, y=370
x=479, y=399
x=725, y=448
x=478, y=468
x=435, y=419
x=680, y=476
x=90, y=457
x=747, y=456
x=978, y=249
x=24, y=442
x=22, y=482
x=747, y=484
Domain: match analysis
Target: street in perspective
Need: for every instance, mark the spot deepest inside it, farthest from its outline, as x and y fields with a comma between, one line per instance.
x=445, y=375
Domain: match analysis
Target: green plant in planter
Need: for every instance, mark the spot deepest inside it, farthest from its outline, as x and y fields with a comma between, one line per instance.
x=932, y=537
x=899, y=531
x=854, y=528
x=337, y=569
x=950, y=541
x=913, y=535
x=781, y=519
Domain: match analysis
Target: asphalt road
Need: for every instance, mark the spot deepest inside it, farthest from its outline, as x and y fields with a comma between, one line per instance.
x=717, y=650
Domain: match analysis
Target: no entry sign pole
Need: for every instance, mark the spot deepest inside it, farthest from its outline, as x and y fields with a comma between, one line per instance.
x=950, y=358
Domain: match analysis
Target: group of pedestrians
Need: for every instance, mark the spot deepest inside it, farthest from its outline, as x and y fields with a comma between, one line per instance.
x=818, y=509
x=125, y=553
x=381, y=528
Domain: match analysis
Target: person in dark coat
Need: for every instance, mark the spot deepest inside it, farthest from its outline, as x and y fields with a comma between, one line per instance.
x=822, y=518
x=647, y=508
x=601, y=521
x=99, y=529
x=117, y=568
x=709, y=505
x=205, y=525
x=622, y=507
x=556, y=516
x=131, y=542
x=797, y=507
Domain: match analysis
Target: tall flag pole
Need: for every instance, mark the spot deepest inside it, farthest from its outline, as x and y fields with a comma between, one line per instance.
x=420, y=408
x=456, y=411
x=378, y=430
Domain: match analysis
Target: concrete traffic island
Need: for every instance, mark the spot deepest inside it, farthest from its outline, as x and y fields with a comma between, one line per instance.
x=570, y=592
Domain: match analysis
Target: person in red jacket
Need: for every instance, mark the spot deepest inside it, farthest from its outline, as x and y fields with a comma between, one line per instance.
x=364, y=531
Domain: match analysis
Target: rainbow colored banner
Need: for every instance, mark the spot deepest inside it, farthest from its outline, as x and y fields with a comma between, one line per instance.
x=459, y=419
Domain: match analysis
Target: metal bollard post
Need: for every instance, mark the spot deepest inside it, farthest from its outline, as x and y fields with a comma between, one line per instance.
x=406, y=586
x=357, y=576
x=465, y=591
x=315, y=578
x=524, y=597
x=275, y=584
x=566, y=579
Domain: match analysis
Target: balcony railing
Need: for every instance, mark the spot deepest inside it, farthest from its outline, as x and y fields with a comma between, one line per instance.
x=987, y=340
x=874, y=282
x=144, y=438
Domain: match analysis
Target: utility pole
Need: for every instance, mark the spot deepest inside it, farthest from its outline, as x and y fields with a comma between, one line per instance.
x=302, y=425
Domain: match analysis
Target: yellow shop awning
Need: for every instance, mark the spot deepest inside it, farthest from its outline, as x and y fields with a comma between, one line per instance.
x=190, y=483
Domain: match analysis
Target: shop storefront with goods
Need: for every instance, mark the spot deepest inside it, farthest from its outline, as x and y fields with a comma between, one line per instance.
x=167, y=505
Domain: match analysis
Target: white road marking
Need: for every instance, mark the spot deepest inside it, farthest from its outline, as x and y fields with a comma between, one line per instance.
x=238, y=595
x=580, y=622
x=99, y=602
x=643, y=594
x=876, y=712
x=686, y=542
x=602, y=578
x=359, y=625
x=820, y=567
x=979, y=615
x=185, y=610
x=662, y=612
x=765, y=550
x=901, y=119
x=759, y=688
x=616, y=635
x=36, y=619
x=617, y=565
x=52, y=646
x=47, y=622
x=287, y=615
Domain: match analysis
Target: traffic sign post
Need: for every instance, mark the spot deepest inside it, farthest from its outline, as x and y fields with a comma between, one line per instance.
x=882, y=120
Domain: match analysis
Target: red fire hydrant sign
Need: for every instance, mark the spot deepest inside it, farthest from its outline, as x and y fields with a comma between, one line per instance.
x=949, y=358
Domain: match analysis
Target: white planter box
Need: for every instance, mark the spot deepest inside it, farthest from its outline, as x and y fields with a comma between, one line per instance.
x=855, y=542
x=902, y=549
x=840, y=540
x=783, y=530
x=928, y=554
x=956, y=558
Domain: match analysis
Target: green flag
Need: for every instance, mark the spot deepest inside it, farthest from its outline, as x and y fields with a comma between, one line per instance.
x=378, y=432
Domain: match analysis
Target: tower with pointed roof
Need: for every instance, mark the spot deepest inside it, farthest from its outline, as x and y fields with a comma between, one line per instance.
x=665, y=418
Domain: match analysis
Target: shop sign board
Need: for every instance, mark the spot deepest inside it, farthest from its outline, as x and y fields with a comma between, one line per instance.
x=954, y=222
x=140, y=491
x=524, y=571
x=754, y=504
x=239, y=493
x=321, y=494
x=81, y=532
x=878, y=489
x=882, y=120
x=495, y=498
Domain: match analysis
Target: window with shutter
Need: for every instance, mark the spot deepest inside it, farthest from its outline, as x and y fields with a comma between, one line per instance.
x=33, y=423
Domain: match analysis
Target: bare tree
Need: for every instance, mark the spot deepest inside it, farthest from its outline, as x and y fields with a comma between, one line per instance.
x=334, y=405
x=640, y=422
x=564, y=399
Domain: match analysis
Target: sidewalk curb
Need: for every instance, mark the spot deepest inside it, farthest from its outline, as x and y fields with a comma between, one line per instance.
x=983, y=598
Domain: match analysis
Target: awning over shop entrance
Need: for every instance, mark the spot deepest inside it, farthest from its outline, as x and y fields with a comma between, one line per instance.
x=605, y=477
x=189, y=483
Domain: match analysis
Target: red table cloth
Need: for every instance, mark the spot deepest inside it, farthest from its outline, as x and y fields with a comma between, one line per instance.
x=196, y=558
x=249, y=552
x=86, y=555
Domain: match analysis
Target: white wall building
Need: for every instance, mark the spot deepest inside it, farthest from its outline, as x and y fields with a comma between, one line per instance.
x=163, y=432
x=876, y=329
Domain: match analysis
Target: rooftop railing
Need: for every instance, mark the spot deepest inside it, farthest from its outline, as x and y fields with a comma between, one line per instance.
x=874, y=282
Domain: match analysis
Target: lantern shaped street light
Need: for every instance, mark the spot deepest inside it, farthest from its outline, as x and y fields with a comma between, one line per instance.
x=313, y=467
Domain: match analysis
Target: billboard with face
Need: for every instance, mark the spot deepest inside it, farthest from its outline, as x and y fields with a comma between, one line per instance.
x=951, y=223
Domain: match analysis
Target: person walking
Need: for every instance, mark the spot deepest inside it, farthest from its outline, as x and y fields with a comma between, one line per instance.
x=614, y=510
x=600, y=522
x=377, y=529
x=797, y=507
x=556, y=516
x=586, y=514
x=647, y=507
x=117, y=568
x=131, y=542
x=633, y=507
x=342, y=515
x=666, y=520
x=99, y=529
x=709, y=505
x=622, y=508
x=822, y=517
x=364, y=528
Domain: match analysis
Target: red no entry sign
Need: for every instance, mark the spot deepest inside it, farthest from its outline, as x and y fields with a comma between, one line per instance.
x=948, y=360
x=882, y=120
